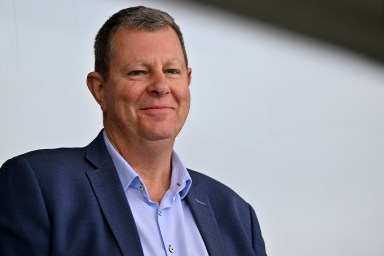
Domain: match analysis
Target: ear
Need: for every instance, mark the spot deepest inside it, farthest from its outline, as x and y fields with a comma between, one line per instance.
x=96, y=86
x=189, y=74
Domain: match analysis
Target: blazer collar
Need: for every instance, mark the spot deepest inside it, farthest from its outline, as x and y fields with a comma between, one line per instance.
x=205, y=219
x=111, y=197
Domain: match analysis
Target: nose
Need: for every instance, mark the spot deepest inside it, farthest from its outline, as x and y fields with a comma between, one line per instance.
x=159, y=84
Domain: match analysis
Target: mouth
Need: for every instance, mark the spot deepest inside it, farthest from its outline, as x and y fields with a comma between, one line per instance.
x=157, y=110
x=157, y=107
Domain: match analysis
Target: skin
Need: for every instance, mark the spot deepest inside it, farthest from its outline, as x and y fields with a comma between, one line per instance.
x=145, y=101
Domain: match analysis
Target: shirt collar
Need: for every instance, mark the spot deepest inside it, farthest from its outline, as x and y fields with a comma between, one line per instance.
x=181, y=181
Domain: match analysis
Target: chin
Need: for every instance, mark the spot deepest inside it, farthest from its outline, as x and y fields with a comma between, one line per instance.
x=159, y=137
x=159, y=132
x=153, y=134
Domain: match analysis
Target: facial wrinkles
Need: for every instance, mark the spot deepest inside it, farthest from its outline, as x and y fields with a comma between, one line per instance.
x=156, y=63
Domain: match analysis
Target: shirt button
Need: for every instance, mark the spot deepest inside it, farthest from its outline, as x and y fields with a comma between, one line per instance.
x=171, y=249
x=141, y=186
x=160, y=213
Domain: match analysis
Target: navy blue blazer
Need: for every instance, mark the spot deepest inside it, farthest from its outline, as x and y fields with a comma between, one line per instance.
x=70, y=201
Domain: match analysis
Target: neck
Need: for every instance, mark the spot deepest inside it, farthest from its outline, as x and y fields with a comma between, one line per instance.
x=150, y=159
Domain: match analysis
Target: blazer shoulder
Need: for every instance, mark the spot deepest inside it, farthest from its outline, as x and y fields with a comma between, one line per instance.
x=47, y=159
x=214, y=188
x=51, y=155
x=63, y=156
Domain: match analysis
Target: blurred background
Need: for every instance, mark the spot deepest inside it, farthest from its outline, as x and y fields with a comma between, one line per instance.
x=287, y=105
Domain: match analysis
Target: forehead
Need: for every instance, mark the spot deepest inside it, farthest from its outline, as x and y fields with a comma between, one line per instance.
x=130, y=45
x=129, y=37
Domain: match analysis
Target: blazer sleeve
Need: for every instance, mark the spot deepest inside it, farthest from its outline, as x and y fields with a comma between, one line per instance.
x=257, y=238
x=24, y=222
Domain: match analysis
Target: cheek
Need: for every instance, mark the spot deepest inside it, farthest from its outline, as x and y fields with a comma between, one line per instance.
x=188, y=98
x=185, y=101
x=188, y=101
x=117, y=103
x=184, y=95
x=124, y=96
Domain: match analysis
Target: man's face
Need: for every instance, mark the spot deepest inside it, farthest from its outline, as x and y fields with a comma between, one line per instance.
x=147, y=93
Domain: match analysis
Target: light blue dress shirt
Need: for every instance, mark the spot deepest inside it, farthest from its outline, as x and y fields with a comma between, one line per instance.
x=168, y=228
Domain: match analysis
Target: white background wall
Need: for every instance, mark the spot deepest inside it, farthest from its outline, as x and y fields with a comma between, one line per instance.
x=294, y=126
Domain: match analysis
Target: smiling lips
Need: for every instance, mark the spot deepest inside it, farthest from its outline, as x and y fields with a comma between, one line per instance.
x=157, y=110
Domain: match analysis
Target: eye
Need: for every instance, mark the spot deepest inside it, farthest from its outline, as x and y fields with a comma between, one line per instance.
x=172, y=71
x=136, y=73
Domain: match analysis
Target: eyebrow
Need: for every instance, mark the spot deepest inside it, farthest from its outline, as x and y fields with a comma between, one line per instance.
x=173, y=61
x=141, y=62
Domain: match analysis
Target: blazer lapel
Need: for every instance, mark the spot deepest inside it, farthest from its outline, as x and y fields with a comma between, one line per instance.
x=206, y=221
x=113, y=202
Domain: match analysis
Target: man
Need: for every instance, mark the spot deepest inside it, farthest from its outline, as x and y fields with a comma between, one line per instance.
x=127, y=192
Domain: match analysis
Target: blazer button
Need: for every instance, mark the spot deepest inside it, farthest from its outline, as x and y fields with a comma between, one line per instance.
x=171, y=249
